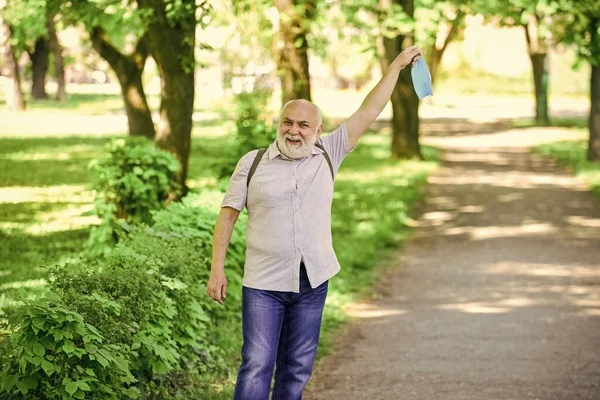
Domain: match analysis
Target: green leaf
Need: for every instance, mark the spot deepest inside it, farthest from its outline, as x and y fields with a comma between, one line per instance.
x=48, y=343
x=8, y=381
x=71, y=388
x=39, y=349
x=90, y=372
x=79, y=394
x=48, y=367
x=102, y=360
x=132, y=393
x=68, y=347
x=34, y=360
x=27, y=384
x=83, y=386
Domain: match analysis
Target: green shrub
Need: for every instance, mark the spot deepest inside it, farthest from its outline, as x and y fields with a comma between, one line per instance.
x=147, y=300
x=133, y=179
x=56, y=355
x=252, y=130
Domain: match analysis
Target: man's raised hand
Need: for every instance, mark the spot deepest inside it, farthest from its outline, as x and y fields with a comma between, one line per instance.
x=409, y=55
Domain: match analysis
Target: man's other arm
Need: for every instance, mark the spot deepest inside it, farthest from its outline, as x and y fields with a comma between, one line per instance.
x=217, y=282
x=378, y=97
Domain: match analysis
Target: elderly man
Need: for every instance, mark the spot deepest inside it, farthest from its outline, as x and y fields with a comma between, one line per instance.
x=288, y=191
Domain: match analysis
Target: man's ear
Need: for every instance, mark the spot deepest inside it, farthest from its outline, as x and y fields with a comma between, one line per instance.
x=319, y=131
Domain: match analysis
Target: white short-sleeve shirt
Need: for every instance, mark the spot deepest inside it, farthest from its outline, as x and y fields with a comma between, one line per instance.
x=289, y=214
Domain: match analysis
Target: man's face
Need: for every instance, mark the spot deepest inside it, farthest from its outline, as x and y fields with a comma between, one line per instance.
x=299, y=129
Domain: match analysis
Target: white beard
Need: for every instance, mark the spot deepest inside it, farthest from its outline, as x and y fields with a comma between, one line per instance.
x=295, y=153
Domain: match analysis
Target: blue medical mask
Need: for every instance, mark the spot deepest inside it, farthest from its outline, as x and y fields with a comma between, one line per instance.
x=421, y=79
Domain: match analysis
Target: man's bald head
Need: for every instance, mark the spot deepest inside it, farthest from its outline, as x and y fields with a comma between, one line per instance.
x=304, y=103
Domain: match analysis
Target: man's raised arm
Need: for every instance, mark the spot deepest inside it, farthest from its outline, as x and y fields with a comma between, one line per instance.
x=378, y=97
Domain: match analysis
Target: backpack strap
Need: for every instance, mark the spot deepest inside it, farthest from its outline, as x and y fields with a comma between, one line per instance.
x=257, y=159
x=326, y=158
x=261, y=152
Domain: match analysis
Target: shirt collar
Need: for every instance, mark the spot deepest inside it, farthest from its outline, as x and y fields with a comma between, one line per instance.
x=273, y=150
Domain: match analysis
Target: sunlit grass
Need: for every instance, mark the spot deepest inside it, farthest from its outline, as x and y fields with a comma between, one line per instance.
x=561, y=122
x=573, y=155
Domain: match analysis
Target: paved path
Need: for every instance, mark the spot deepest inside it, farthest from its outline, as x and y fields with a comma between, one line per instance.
x=497, y=296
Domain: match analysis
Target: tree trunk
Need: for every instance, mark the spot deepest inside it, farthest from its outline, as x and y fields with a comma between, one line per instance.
x=129, y=72
x=539, y=64
x=435, y=54
x=593, y=153
x=405, y=103
x=537, y=49
x=168, y=37
x=39, y=68
x=10, y=69
x=59, y=64
x=292, y=51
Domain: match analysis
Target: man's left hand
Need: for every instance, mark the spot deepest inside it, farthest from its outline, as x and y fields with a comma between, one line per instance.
x=409, y=55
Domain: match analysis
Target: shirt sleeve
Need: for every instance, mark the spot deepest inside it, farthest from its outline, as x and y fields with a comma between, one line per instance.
x=336, y=145
x=237, y=189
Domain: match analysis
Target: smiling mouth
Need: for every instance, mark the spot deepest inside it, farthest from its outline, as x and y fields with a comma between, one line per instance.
x=292, y=142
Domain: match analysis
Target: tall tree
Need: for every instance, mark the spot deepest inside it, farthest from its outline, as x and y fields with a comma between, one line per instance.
x=439, y=23
x=535, y=18
x=35, y=33
x=431, y=24
x=129, y=69
x=110, y=33
x=171, y=40
x=292, y=47
x=405, y=103
x=167, y=31
x=57, y=55
x=39, y=57
x=578, y=24
x=10, y=69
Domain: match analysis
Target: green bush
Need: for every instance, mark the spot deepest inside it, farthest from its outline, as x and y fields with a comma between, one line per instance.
x=133, y=179
x=252, y=130
x=148, y=301
x=56, y=355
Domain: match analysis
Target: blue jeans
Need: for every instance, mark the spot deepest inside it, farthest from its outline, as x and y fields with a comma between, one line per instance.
x=282, y=329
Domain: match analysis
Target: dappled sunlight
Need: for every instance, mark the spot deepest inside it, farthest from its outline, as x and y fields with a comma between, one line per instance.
x=512, y=179
x=474, y=308
x=590, y=312
x=506, y=139
x=489, y=232
x=33, y=283
x=471, y=209
x=441, y=201
x=58, y=153
x=204, y=182
x=507, y=198
x=363, y=310
x=400, y=171
x=546, y=270
x=56, y=124
x=438, y=216
x=54, y=222
x=59, y=193
x=40, y=156
x=584, y=221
